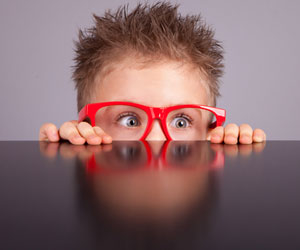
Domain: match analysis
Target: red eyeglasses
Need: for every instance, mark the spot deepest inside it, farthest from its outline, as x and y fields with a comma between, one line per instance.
x=132, y=121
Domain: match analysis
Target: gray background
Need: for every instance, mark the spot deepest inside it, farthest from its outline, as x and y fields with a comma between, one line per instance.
x=260, y=86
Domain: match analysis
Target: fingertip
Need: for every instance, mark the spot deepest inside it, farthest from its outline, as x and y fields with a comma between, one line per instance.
x=53, y=136
x=230, y=139
x=245, y=126
x=107, y=139
x=52, y=133
x=245, y=139
x=217, y=135
x=259, y=135
x=258, y=139
x=46, y=131
x=77, y=140
x=94, y=140
x=232, y=126
x=216, y=139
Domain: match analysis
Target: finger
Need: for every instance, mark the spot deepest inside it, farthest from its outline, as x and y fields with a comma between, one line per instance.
x=48, y=132
x=231, y=134
x=246, y=133
x=87, y=131
x=106, y=139
x=68, y=131
x=259, y=135
x=75, y=122
x=217, y=135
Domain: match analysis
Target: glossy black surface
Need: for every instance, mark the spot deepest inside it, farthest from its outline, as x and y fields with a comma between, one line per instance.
x=130, y=195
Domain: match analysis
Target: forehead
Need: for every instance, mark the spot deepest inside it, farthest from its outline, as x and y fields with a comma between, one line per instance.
x=157, y=84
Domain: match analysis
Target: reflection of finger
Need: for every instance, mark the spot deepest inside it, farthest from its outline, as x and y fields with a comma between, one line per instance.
x=246, y=133
x=231, y=134
x=231, y=150
x=217, y=135
x=97, y=149
x=217, y=147
x=68, y=131
x=94, y=148
x=49, y=149
x=107, y=147
x=259, y=147
x=68, y=151
x=245, y=149
x=48, y=132
x=259, y=135
x=84, y=155
x=43, y=146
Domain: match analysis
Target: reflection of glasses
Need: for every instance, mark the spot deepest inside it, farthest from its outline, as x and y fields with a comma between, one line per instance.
x=135, y=155
x=132, y=121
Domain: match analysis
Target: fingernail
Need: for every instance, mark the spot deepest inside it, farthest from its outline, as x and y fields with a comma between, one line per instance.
x=215, y=137
x=107, y=138
x=231, y=138
x=77, y=137
x=93, y=137
x=246, y=137
x=54, y=134
x=55, y=137
x=258, y=138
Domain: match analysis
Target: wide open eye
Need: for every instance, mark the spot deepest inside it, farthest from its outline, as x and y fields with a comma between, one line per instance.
x=187, y=124
x=128, y=120
x=122, y=122
x=180, y=122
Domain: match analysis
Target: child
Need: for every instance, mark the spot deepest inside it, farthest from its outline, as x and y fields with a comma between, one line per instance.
x=152, y=57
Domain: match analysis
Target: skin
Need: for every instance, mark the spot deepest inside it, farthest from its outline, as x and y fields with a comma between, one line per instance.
x=159, y=84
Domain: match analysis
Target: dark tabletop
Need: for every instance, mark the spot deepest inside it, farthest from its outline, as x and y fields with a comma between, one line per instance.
x=135, y=195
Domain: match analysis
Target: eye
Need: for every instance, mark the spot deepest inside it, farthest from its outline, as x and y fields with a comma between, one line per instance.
x=128, y=120
x=181, y=122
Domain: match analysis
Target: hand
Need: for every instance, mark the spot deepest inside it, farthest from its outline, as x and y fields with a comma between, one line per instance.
x=76, y=133
x=232, y=134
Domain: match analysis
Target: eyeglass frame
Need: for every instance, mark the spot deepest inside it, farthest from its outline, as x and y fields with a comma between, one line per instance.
x=153, y=113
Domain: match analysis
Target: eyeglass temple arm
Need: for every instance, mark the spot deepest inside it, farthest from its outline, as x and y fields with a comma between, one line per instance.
x=219, y=122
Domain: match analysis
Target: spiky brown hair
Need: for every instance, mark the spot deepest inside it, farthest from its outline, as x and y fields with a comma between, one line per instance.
x=151, y=31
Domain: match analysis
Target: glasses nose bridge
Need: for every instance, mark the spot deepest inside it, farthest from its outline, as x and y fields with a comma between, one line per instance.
x=157, y=113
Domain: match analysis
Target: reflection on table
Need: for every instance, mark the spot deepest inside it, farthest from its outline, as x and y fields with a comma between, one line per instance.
x=148, y=194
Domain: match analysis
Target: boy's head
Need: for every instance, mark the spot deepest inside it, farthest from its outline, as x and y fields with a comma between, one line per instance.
x=151, y=55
